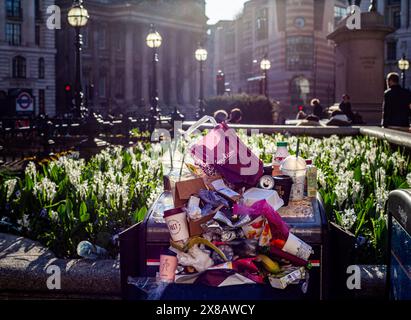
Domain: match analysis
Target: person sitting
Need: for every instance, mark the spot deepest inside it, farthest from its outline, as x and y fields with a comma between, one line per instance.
x=220, y=116
x=236, y=115
x=317, y=108
x=338, y=118
x=310, y=120
x=345, y=106
x=301, y=115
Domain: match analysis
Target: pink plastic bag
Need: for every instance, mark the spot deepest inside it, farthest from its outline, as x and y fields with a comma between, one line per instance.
x=281, y=236
x=222, y=151
x=279, y=229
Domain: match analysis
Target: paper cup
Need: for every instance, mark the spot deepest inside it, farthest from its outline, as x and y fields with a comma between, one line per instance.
x=176, y=220
x=297, y=247
x=168, y=267
x=283, y=184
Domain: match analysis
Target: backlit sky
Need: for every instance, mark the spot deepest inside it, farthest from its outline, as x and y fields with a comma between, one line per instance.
x=223, y=9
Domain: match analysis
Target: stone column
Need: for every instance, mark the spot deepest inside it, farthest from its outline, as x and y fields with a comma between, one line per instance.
x=404, y=14
x=28, y=26
x=3, y=19
x=129, y=65
x=360, y=65
x=145, y=75
x=185, y=49
x=173, y=68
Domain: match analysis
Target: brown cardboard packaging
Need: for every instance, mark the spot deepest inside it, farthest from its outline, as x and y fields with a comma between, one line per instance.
x=184, y=189
x=194, y=226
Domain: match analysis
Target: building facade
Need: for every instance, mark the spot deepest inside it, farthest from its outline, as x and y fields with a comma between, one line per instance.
x=397, y=14
x=117, y=64
x=293, y=36
x=27, y=55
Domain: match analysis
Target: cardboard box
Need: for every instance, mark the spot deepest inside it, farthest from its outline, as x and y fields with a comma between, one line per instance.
x=194, y=226
x=183, y=190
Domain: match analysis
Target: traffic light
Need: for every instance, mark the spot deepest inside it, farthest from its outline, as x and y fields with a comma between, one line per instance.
x=69, y=96
x=220, y=83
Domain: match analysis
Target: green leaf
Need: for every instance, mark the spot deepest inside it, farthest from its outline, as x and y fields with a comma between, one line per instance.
x=140, y=214
x=357, y=173
x=84, y=216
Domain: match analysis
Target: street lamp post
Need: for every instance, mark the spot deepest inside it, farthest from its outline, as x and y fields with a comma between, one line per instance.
x=265, y=65
x=77, y=18
x=201, y=57
x=154, y=41
x=403, y=65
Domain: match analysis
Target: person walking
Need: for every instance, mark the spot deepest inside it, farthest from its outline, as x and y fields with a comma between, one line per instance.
x=396, y=110
x=345, y=107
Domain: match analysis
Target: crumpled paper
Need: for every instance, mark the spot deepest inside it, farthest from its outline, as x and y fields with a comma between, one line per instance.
x=196, y=258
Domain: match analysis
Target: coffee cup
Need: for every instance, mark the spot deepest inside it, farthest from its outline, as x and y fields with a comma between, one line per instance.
x=176, y=220
x=295, y=167
x=283, y=184
x=168, y=266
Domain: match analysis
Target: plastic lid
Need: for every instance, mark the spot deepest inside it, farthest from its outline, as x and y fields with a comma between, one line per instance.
x=293, y=163
x=174, y=211
x=282, y=144
x=308, y=162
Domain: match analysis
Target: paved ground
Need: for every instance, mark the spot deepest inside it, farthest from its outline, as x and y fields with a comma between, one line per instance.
x=26, y=266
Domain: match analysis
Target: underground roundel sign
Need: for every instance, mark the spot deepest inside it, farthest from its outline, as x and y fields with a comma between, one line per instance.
x=24, y=102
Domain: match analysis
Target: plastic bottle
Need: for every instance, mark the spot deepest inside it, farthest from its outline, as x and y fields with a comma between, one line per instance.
x=279, y=156
x=311, y=179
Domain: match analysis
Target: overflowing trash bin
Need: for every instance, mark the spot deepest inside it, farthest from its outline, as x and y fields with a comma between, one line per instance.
x=229, y=228
x=399, y=238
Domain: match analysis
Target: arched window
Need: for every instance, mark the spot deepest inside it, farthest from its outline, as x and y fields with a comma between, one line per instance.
x=300, y=90
x=19, y=67
x=41, y=68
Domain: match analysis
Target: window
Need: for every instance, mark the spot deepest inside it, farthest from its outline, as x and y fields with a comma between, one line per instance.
x=300, y=53
x=229, y=42
x=262, y=24
x=396, y=19
x=42, y=101
x=13, y=34
x=13, y=9
x=119, y=84
x=37, y=9
x=300, y=90
x=19, y=67
x=391, y=50
x=41, y=68
x=339, y=14
x=37, y=35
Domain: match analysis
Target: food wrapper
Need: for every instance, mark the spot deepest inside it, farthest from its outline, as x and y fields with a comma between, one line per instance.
x=254, y=229
x=221, y=217
x=265, y=237
x=242, y=248
x=221, y=188
x=212, y=198
x=290, y=275
x=227, y=250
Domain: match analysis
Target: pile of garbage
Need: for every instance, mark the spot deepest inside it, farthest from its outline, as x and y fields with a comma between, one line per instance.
x=225, y=228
